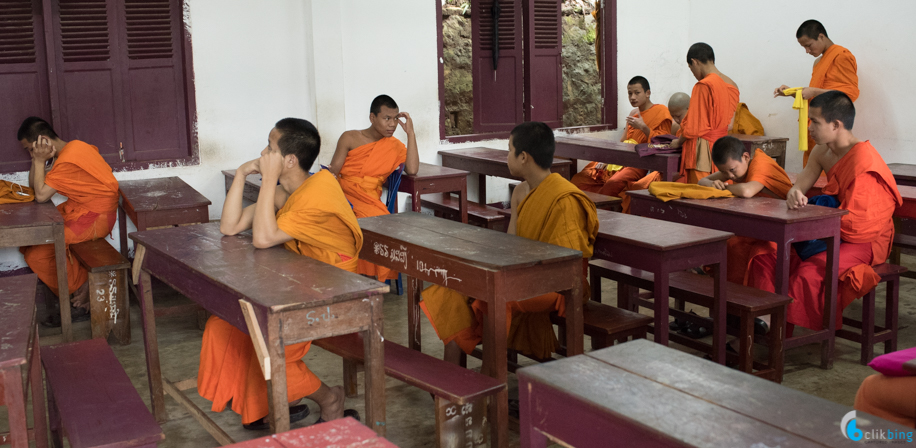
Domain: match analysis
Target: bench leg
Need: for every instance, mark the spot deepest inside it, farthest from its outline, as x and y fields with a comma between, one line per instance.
x=99, y=305
x=121, y=326
x=57, y=440
x=746, y=344
x=39, y=419
x=599, y=342
x=594, y=283
x=868, y=327
x=350, y=371
x=892, y=295
x=461, y=424
x=775, y=340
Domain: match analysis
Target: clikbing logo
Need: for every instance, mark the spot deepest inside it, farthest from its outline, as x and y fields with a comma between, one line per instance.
x=848, y=427
x=850, y=430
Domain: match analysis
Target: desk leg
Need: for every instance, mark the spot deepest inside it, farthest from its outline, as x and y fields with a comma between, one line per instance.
x=60, y=259
x=718, y=310
x=482, y=188
x=414, y=286
x=528, y=434
x=660, y=292
x=277, y=399
x=783, y=251
x=122, y=230
x=39, y=418
x=575, y=326
x=375, y=368
x=494, y=355
x=415, y=201
x=151, y=346
x=830, y=305
x=15, y=406
x=463, y=203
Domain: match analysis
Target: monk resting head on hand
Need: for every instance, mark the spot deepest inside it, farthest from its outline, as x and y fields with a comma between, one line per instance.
x=735, y=162
x=677, y=106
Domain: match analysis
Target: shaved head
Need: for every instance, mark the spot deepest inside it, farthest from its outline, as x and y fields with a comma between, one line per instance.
x=679, y=100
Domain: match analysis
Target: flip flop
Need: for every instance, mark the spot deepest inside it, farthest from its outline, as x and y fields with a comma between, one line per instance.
x=695, y=331
x=296, y=413
x=347, y=413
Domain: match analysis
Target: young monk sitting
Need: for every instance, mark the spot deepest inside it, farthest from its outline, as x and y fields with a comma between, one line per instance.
x=545, y=207
x=308, y=215
x=646, y=121
x=365, y=158
x=862, y=184
x=713, y=103
x=81, y=174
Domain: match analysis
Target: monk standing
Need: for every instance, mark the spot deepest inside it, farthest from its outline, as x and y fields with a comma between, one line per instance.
x=862, y=184
x=81, y=174
x=712, y=106
x=308, y=215
x=835, y=68
x=365, y=158
x=546, y=208
x=646, y=121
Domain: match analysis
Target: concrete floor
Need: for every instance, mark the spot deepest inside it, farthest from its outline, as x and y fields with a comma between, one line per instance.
x=411, y=419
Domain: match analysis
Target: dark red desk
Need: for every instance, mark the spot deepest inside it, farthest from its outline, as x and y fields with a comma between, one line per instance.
x=152, y=203
x=437, y=179
x=578, y=146
x=662, y=247
x=904, y=173
x=491, y=162
x=774, y=147
x=769, y=220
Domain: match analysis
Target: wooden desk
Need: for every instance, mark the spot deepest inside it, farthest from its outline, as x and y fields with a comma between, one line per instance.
x=769, y=220
x=33, y=223
x=774, y=147
x=653, y=396
x=491, y=162
x=484, y=264
x=340, y=433
x=252, y=185
x=436, y=179
x=20, y=365
x=578, y=146
x=662, y=247
x=904, y=173
x=151, y=203
x=295, y=298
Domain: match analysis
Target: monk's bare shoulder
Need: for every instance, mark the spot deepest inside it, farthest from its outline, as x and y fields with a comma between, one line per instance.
x=350, y=139
x=729, y=81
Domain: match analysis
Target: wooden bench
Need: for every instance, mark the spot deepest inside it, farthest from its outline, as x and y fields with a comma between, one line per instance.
x=606, y=324
x=869, y=334
x=108, y=297
x=745, y=302
x=460, y=393
x=92, y=401
x=480, y=215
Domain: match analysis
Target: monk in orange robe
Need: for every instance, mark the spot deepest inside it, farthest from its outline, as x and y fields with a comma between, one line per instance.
x=308, y=215
x=835, y=68
x=712, y=106
x=892, y=398
x=546, y=208
x=81, y=174
x=646, y=121
x=863, y=184
x=365, y=158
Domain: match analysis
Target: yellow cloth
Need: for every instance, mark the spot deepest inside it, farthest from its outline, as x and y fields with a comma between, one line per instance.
x=667, y=191
x=801, y=105
x=11, y=193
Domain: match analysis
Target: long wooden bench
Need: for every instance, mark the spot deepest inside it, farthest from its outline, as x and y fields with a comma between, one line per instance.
x=481, y=215
x=869, y=334
x=108, y=293
x=91, y=400
x=606, y=324
x=460, y=393
x=745, y=302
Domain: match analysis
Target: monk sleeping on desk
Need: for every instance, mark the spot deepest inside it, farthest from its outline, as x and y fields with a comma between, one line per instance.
x=80, y=173
x=546, y=208
x=308, y=215
x=862, y=184
x=365, y=158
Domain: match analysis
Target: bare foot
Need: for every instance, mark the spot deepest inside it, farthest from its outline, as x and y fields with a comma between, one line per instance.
x=80, y=298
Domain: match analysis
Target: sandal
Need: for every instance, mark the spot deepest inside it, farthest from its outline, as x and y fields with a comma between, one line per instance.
x=694, y=330
x=77, y=314
x=296, y=413
x=353, y=413
x=760, y=327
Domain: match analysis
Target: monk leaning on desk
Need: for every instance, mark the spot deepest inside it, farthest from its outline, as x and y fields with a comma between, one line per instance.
x=834, y=69
x=712, y=107
x=308, y=215
x=365, y=158
x=81, y=175
x=862, y=184
x=545, y=207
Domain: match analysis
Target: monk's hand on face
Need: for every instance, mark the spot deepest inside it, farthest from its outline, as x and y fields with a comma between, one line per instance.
x=795, y=199
x=405, y=122
x=42, y=149
x=249, y=167
x=779, y=90
x=270, y=166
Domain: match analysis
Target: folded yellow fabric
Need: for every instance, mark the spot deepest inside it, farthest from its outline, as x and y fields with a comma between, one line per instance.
x=801, y=105
x=667, y=191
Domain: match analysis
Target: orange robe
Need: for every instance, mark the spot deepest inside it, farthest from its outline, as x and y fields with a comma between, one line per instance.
x=889, y=397
x=658, y=119
x=776, y=184
x=362, y=176
x=90, y=211
x=555, y=212
x=712, y=106
x=864, y=185
x=323, y=227
x=836, y=69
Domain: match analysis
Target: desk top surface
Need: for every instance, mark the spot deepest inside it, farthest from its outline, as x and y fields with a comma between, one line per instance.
x=167, y=193
x=903, y=170
x=652, y=233
x=758, y=138
x=465, y=243
x=763, y=209
x=17, y=318
x=603, y=143
x=489, y=155
x=29, y=214
x=273, y=278
x=430, y=171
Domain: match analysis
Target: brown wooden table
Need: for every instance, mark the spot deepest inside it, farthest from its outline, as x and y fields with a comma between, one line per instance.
x=663, y=247
x=904, y=173
x=252, y=185
x=33, y=223
x=484, y=264
x=491, y=162
x=774, y=147
x=643, y=394
x=340, y=433
x=436, y=179
x=20, y=365
x=151, y=203
x=769, y=220
x=295, y=299
x=579, y=146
